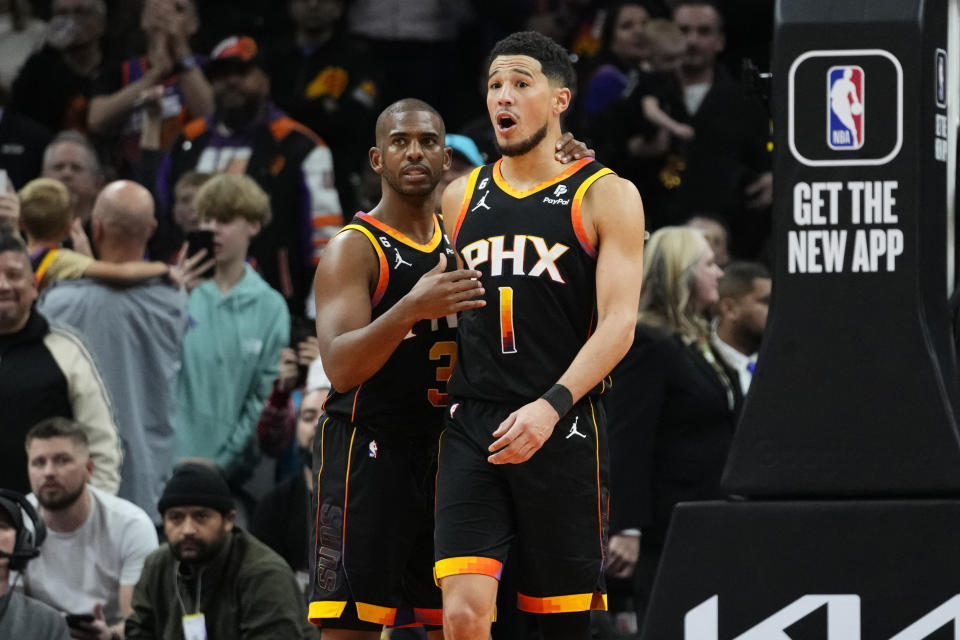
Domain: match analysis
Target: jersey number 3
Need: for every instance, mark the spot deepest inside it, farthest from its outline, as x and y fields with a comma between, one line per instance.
x=438, y=351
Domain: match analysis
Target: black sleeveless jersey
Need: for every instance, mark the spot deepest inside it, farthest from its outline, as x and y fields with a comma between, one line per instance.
x=538, y=271
x=407, y=396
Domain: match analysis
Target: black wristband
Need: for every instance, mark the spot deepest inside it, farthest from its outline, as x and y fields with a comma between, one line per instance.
x=560, y=398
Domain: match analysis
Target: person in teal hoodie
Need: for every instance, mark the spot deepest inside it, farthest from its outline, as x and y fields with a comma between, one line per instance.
x=237, y=327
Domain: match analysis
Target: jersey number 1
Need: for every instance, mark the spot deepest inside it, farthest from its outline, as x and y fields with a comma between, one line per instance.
x=507, y=342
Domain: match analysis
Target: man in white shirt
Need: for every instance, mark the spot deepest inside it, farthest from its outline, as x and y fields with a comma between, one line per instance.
x=96, y=543
x=742, y=317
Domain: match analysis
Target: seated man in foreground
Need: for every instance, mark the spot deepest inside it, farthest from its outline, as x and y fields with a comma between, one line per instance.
x=211, y=578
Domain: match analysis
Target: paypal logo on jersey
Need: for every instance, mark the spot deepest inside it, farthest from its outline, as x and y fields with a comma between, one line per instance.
x=845, y=107
x=556, y=199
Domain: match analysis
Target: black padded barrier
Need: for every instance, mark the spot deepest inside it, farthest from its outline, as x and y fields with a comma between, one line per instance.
x=846, y=464
x=855, y=391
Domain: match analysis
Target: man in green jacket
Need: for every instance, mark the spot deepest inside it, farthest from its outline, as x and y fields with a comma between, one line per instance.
x=212, y=579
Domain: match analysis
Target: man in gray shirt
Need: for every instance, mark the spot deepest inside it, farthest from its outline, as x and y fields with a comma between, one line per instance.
x=136, y=335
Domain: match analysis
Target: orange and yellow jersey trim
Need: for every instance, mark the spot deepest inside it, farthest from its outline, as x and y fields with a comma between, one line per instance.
x=384, y=277
x=595, y=601
x=401, y=237
x=467, y=195
x=432, y=617
x=576, y=216
x=372, y=613
x=516, y=193
x=376, y=614
x=319, y=611
x=467, y=565
x=407, y=616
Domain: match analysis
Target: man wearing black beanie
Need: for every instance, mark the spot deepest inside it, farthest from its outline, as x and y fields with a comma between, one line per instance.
x=212, y=579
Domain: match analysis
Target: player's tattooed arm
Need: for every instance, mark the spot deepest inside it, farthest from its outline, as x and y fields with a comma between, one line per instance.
x=354, y=346
x=613, y=217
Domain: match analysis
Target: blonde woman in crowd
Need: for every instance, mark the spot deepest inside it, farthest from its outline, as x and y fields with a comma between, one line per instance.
x=673, y=406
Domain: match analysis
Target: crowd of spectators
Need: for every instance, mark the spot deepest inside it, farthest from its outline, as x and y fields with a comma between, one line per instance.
x=170, y=172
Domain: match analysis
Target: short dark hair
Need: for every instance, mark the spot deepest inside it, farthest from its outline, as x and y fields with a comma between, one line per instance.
x=11, y=242
x=738, y=277
x=58, y=427
x=406, y=105
x=553, y=59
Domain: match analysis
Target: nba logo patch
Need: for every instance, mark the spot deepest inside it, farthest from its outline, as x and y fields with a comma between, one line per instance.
x=845, y=107
x=373, y=449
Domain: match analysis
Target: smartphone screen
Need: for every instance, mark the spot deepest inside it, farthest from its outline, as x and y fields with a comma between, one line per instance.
x=73, y=619
x=201, y=239
x=300, y=330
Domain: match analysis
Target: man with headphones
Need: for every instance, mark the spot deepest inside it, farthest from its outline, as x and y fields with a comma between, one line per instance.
x=22, y=616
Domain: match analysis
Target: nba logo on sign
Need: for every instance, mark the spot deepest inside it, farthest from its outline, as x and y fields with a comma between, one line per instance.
x=941, y=78
x=845, y=108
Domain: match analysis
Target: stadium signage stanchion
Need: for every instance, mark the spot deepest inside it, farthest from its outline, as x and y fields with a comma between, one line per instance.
x=844, y=474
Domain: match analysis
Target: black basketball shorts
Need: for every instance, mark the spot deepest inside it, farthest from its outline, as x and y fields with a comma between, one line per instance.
x=373, y=531
x=554, y=506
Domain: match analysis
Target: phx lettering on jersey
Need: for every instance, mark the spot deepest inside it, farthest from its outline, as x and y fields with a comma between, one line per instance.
x=492, y=250
x=532, y=250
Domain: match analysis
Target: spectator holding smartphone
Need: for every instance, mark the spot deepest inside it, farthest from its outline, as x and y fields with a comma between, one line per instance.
x=299, y=363
x=238, y=326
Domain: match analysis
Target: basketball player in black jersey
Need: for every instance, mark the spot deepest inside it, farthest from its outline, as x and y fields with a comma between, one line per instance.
x=523, y=456
x=388, y=294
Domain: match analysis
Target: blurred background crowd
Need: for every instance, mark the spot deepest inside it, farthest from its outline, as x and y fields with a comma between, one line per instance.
x=128, y=127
